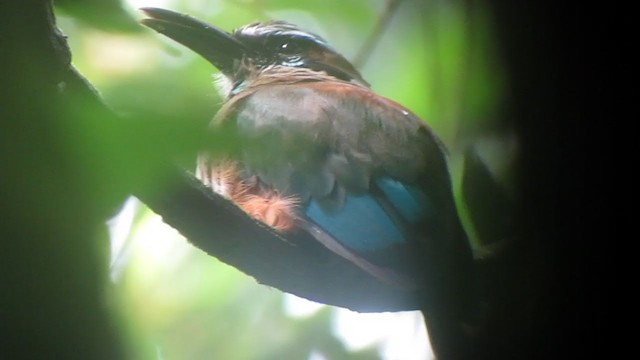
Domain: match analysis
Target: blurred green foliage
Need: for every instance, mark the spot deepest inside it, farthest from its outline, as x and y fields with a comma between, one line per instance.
x=436, y=57
x=108, y=15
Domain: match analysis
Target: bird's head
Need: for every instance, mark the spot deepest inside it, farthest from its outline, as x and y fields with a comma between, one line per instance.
x=253, y=48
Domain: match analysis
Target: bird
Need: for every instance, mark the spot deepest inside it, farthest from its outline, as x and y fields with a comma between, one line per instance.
x=321, y=153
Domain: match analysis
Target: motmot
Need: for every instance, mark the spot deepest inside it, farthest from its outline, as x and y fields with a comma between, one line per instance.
x=320, y=153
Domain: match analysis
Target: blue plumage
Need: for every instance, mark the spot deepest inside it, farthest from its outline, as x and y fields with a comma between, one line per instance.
x=366, y=223
x=318, y=151
x=410, y=201
x=347, y=225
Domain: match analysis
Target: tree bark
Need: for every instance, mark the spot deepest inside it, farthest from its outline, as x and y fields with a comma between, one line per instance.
x=52, y=268
x=53, y=263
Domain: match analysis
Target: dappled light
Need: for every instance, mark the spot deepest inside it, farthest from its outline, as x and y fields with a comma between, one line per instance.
x=445, y=211
x=186, y=304
x=171, y=298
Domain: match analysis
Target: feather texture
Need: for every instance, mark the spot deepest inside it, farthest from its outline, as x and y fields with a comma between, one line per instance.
x=265, y=204
x=359, y=172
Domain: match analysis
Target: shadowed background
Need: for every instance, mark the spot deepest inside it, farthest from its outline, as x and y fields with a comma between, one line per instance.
x=438, y=58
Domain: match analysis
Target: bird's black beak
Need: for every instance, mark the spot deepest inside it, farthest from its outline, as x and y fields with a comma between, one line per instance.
x=215, y=45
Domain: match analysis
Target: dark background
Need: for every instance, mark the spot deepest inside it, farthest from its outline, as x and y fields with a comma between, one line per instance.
x=65, y=171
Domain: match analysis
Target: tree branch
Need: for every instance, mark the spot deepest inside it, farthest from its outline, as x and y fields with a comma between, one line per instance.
x=383, y=22
x=295, y=264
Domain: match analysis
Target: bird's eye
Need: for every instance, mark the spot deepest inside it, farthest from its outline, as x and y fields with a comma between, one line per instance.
x=288, y=47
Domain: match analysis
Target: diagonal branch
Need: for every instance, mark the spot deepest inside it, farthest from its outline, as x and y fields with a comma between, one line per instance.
x=374, y=37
